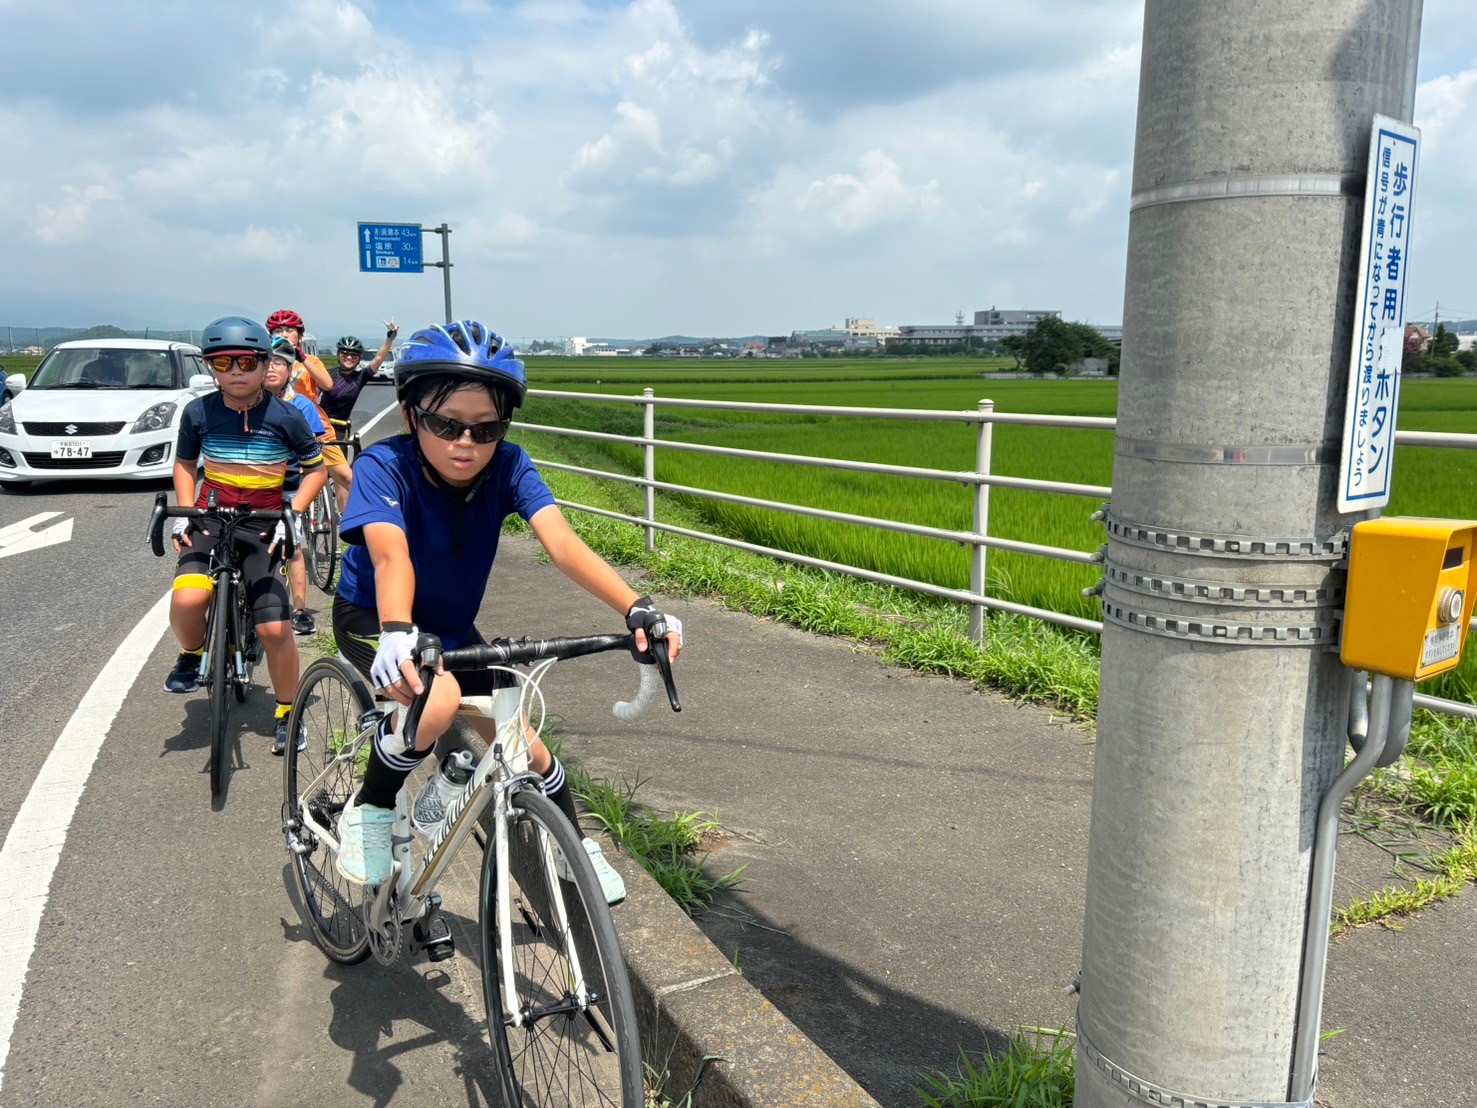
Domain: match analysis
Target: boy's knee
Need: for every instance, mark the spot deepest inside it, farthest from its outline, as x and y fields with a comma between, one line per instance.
x=275, y=633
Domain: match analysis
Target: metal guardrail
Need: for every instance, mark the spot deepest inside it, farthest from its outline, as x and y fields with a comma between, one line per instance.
x=981, y=479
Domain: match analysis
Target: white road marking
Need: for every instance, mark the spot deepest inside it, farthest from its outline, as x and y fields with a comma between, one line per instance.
x=379, y=416
x=34, y=844
x=19, y=537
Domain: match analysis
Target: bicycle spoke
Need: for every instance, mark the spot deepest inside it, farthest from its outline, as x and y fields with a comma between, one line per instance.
x=329, y=708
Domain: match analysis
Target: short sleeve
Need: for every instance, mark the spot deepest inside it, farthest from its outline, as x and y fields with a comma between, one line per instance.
x=301, y=439
x=187, y=446
x=530, y=494
x=310, y=413
x=378, y=495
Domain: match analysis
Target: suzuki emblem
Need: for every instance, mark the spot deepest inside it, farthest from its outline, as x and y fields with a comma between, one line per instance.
x=70, y=428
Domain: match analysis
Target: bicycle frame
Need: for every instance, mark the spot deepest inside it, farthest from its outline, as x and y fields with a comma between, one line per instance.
x=494, y=782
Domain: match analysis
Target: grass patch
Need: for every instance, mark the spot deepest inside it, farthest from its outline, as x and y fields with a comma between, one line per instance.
x=667, y=847
x=1036, y=1070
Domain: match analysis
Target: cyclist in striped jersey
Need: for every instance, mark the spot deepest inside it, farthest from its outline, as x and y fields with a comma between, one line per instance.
x=245, y=438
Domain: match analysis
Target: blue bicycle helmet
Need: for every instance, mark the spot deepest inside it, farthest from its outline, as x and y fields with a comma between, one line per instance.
x=233, y=333
x=465, y=349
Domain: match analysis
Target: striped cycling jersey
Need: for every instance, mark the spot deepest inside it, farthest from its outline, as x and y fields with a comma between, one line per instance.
x=245, y=453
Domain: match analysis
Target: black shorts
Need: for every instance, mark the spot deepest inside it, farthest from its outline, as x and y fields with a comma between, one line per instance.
x=357, y=631
x=263, y=574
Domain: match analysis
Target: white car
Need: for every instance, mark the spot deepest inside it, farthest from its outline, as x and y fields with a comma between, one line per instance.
x=99, y=408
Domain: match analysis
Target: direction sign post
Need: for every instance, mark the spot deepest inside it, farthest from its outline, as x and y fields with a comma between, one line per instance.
x=1366, y=462
x=396, y=248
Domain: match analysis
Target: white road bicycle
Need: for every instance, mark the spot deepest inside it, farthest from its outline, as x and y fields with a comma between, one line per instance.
x=560, y=1011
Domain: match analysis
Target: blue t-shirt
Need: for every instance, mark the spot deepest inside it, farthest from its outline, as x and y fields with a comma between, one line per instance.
x=390, y=487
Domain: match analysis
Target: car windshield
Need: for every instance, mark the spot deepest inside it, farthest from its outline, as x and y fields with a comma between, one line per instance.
x=106, y=368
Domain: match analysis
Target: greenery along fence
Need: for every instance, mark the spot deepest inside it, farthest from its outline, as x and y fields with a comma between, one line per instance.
x=994, y=572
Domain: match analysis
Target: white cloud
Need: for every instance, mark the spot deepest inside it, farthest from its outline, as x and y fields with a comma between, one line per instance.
x=625, y=168
x=74, y=214
x=852, y=203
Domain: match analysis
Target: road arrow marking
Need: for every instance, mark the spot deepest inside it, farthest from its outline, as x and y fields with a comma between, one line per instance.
x=18, y=537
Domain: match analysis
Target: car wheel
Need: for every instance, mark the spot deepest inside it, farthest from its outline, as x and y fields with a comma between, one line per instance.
x=15, y=486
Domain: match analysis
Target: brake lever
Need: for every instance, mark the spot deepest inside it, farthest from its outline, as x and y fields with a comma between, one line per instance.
x=427, y=658
x=155, y=534
x=658, y=648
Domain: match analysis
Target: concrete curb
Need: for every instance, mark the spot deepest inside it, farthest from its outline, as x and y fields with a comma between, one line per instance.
x=703, y=1024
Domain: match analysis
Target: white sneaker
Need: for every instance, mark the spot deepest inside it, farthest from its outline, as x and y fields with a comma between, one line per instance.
x=364, y=843
x=610, y=881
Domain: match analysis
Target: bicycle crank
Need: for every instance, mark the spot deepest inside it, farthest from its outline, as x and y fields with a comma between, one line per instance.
x=387, y=941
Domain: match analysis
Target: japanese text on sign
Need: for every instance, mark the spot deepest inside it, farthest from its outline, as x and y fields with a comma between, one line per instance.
x=1379, y=336
x=390, y=248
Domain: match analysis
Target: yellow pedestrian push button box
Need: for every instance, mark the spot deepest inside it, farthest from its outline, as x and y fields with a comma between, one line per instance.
x=1412, y=583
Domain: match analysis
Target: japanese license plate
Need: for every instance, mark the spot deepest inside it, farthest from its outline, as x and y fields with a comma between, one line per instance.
x=71, y=450
x=1442, y=645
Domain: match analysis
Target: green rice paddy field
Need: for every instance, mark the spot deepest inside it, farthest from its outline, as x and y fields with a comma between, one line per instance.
x=1427, y=481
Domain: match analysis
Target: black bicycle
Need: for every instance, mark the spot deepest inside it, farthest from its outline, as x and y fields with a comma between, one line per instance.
x=232, y=649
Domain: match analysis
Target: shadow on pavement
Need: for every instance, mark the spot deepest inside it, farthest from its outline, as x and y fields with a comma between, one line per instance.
x=882, y=1036
x=373, y=1004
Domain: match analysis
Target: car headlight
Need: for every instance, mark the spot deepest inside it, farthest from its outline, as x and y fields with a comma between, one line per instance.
x=7, y=420
x=156, y=418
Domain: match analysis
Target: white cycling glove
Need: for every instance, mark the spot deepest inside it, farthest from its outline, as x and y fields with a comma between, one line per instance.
x=395, y=649
x=279, y=533
x=179, y=528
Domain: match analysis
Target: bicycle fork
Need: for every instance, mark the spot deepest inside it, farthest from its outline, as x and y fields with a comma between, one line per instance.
x=514, y=1014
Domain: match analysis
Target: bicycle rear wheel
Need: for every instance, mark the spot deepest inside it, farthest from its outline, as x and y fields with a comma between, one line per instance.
x=562, y=1054
x=331, y=700
x=221, y=675
x=322, y=538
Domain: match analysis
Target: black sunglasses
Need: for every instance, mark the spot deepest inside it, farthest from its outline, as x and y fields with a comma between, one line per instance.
x=494, y=430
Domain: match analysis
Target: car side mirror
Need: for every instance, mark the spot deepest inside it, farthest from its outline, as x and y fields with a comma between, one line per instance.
x=201, y=382
x=15, y=382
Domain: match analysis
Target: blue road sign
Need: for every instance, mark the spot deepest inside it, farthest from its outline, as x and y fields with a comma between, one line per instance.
x=390, y=248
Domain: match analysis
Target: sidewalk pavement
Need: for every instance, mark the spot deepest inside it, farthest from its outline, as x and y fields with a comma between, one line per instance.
x=916, y=853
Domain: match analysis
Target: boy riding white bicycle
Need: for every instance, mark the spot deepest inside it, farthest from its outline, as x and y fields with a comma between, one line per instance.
x=423, y=522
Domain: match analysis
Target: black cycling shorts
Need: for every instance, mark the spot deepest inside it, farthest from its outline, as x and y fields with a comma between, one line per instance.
x=357, y=631
x=263, y=574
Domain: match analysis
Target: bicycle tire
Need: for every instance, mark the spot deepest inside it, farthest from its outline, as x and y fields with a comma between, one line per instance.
x=323, y=538
x=330, y=701
x=219, y=677
x=597, y=1051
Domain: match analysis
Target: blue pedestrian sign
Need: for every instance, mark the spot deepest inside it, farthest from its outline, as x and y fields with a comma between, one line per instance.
x=1365, y=465
x=390, y=248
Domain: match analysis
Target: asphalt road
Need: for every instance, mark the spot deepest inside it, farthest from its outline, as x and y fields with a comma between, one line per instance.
x=170, y=966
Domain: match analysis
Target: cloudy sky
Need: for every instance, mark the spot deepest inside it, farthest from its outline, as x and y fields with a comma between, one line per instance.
x=609, y=167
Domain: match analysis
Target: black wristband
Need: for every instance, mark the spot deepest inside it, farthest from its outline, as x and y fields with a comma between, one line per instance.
x=395, y=625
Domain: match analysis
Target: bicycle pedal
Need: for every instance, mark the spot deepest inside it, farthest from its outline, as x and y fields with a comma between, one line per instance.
x=435, y=939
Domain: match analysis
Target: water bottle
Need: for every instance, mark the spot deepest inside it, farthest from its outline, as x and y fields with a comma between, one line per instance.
x=450, y=778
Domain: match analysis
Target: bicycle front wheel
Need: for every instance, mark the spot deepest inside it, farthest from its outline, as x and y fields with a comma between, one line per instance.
x=565, y=1052
x=241, y=647
x=331, y=701
x=221, y=677
x=323, y=538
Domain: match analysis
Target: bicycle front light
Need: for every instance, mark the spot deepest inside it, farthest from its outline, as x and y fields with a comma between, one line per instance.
x=155, y=419
x=7, y=420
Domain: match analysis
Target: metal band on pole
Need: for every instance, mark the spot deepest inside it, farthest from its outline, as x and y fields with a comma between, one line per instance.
x=1251, y=186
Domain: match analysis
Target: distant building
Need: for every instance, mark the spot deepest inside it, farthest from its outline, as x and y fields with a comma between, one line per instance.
x=581, y=347
x=990, y=325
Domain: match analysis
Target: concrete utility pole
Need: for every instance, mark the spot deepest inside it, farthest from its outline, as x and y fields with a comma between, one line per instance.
x=1223, y=710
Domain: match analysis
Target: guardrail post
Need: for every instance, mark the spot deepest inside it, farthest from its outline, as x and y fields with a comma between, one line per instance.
x=979, y=556
x=648, y=432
